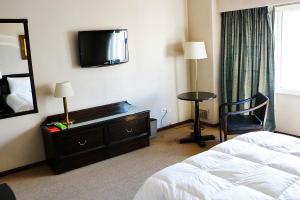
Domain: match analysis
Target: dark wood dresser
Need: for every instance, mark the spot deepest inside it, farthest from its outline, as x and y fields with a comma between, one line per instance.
x=98, y=133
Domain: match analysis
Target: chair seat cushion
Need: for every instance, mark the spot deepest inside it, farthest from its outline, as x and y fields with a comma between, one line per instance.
x=243, y=123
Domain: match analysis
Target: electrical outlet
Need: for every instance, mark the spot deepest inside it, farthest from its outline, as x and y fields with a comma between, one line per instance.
x=163, y=110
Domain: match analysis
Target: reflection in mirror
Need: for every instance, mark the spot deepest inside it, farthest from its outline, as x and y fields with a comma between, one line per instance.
x=17, y=94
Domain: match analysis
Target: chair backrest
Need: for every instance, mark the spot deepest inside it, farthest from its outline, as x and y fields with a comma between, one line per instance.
x=262, y=111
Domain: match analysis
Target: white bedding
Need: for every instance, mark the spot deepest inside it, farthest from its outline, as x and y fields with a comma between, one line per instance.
x=20, y=102
x=253, y=166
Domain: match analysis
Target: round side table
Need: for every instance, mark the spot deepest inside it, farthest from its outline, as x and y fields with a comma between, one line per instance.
x=196, y=136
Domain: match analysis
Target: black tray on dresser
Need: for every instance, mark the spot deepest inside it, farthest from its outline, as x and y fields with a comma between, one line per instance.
x=98, y=133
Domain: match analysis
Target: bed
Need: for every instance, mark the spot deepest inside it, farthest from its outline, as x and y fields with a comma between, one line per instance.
x=254, y=166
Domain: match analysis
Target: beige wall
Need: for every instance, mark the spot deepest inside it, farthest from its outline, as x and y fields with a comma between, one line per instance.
x=154, y=76
x=287, y=112
x=204, y=25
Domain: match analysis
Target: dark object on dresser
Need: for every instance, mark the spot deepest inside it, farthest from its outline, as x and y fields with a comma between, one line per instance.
x=237, y=122
x=6, y=193
x=98, y=133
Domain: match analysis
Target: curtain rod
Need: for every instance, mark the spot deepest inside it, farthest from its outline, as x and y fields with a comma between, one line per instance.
x=287, y=4
x=275, y=5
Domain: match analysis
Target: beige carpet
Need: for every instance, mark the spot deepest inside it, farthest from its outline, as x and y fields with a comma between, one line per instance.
x=115, y=179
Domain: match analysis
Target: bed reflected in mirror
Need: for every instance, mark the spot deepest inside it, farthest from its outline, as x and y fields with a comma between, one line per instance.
x=17, y=92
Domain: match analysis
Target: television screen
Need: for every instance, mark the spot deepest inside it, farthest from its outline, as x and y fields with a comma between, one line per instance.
x=101, y=48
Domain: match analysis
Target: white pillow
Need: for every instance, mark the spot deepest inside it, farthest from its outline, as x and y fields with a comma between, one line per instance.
x=19, y=85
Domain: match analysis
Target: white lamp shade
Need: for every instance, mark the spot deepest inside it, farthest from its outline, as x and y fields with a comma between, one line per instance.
x=0, y=75
x=194, y=50
x=64, y=89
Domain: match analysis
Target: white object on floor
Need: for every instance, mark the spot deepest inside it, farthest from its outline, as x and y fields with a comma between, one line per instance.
x=254, y=166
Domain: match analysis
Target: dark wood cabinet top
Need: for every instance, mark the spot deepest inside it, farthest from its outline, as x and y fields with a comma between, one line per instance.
x=97, y=115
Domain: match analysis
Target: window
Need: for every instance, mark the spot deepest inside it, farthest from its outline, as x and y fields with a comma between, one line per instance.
x=287, y=49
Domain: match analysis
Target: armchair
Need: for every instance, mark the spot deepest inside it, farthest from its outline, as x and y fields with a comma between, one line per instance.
x=243, y=120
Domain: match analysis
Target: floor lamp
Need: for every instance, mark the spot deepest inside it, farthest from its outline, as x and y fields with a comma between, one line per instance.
x=195, y=51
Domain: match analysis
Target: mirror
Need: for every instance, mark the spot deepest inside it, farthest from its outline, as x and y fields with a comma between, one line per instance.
x=17, y=91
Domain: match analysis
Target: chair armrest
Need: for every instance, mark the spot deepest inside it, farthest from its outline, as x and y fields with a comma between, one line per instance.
x=221, y=107
x=246, y=111
x=237, y=102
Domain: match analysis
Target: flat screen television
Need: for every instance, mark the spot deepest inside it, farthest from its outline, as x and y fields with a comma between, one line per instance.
x=103, y=47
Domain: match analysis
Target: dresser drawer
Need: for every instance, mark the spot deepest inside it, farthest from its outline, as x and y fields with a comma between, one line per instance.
x=128, y=127
x=128, y=146
x=80, y=141
x=78, y=160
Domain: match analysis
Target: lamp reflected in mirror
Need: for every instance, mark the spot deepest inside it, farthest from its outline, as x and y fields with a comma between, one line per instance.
x=23, y=47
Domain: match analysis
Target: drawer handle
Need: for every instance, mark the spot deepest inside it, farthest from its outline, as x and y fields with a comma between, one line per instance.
x=129, y=131
x=82, y=144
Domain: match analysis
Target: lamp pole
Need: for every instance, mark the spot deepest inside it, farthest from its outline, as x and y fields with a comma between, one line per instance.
x=196, y=78
x=66, y=111
x=195, y=51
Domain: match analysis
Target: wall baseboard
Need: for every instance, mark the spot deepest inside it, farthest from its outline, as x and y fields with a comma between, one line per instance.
x=186, y=122
x=41, y=163
x=289, y=134
x=209, y=124
x=175, y=125
x=22, y=168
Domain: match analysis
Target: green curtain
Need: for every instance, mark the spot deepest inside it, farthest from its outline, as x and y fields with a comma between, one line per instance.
x=247, y=52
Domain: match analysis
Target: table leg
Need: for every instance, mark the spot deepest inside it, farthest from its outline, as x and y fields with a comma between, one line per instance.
x=196, y=137
x=197, y=132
